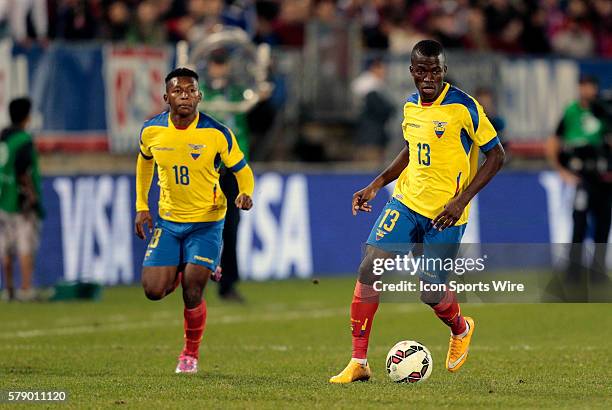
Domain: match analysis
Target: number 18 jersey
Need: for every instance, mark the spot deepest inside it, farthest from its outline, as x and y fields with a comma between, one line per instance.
x=188, y=162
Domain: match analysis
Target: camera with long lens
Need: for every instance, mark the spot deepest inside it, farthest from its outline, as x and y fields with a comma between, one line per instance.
x=593, y=163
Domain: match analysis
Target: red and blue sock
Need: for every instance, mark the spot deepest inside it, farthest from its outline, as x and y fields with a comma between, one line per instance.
x=363, y=308
x=449, y=312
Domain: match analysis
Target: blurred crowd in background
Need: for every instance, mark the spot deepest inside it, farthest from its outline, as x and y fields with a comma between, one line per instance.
x=575, y=28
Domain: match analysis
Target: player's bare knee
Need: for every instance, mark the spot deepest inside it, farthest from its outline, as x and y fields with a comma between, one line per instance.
x=367, y=274
x=155, y=282
x=154, y=292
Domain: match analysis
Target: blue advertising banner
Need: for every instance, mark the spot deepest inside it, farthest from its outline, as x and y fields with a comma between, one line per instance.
x=301, y=224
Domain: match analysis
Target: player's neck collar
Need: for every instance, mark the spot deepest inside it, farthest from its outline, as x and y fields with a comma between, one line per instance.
x=438, y=100
x=191, y=125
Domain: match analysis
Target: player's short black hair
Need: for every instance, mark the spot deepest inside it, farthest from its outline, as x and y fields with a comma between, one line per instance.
x=182, y=72
x=427, y=48
x=19, y=109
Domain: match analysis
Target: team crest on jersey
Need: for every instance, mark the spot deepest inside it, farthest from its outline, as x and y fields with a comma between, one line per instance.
x=439, y=128
x=380, y=234
x=196, y=150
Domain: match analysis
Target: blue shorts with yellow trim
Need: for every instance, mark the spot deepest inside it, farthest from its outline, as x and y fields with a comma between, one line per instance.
x=399, y=228
x=175, y=243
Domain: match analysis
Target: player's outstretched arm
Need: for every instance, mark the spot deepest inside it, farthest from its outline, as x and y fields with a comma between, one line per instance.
x=246, y=185
x=453, y=210
x=144, y=177
x=390, y=174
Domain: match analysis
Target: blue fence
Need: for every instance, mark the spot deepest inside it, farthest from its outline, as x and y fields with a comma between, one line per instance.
x=301, y=224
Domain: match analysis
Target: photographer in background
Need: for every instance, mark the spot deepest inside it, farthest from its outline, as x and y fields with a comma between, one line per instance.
x=20, y=201
x=580, y=153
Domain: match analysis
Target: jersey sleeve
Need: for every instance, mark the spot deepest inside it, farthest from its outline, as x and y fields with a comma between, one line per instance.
x=145, y=149
x=230, y=152
x=484, y=134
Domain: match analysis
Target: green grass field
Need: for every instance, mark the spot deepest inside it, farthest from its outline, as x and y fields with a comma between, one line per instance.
x=278, y=351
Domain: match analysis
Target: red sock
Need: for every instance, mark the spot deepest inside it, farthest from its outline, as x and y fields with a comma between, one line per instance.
x=195, y=321
x=449, y=312
x=364, y=306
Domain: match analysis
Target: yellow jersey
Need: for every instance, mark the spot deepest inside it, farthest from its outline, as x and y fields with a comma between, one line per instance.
x=443, y=160
x=188, y=162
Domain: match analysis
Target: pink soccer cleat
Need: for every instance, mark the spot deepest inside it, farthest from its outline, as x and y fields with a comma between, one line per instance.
x=187, y=364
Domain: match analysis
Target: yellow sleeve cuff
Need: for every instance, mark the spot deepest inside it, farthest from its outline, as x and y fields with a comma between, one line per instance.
x=246, y=180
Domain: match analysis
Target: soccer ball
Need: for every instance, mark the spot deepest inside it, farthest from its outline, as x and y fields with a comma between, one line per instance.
x=409, y=362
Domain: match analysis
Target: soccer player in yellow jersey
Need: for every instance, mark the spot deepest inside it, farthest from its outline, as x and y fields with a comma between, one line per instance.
x=188, y=147
x=437, y=176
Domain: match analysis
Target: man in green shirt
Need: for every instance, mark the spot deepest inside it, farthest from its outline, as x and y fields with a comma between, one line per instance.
x=580, y=152
x=20, y=200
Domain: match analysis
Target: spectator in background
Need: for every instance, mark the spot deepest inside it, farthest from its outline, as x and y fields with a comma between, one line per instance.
x=574, y=40
x=504, y=26
x=402, y=36
x=375, y=35
x=267, y=12
x=117, y=21
x=241, y=13
x=376, y=108
x=603, y=26
x=204, y=17
x=499, y=14
x=476, y=36
x=325, y=12
x=325, y=23
x=147, y=29
x=577, y=150
x=20, y=200
x=534, y=37
x=443, y=25
x=554, y=15
x=76, y=20
x=291, y=22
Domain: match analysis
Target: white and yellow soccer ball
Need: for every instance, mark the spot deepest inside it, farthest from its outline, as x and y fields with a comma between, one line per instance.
x=409, y=362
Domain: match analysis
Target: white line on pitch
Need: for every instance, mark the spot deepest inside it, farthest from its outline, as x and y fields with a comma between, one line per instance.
x=219, y=320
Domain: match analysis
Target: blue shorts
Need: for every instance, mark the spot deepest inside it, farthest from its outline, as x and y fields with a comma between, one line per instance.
x=399, y=228
x=175, y=243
